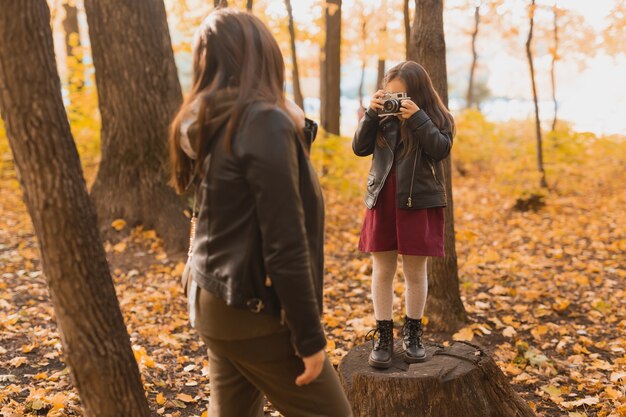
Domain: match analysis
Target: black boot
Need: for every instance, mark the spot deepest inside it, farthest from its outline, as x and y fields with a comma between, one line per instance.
x=414, y=350
x=381, y=354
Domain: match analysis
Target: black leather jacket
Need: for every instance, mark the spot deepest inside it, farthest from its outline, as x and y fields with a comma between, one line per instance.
x=260, y=231
x=420, y=179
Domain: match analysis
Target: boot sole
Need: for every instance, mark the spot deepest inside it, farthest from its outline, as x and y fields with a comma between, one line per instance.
x=378, y=364
x=411, y=359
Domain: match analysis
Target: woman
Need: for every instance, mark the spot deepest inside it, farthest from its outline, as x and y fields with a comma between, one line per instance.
x=257, y=255
x=405, y=200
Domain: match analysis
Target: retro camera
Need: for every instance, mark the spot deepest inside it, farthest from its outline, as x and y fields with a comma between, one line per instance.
x=392, y=103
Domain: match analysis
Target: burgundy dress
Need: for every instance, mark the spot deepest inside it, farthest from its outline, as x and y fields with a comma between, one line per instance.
x=410, y=232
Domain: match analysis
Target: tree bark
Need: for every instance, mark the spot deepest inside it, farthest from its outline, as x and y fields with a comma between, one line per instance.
x=295, y=73
x=444, y=307
x=138, y=93
x=95, y=342
x=407, y=27
x=471, y=100
x=70, y=26
x=75, y=70
x=380, y=77
x=363, y=59
x=555, y=57
x=381, y=58
x=529, y=55
x=330, y=94
x=249, y=5
x=459, y=380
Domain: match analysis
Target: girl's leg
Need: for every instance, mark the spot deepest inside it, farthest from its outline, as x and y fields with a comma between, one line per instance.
x=415, y=275
x=383, y=271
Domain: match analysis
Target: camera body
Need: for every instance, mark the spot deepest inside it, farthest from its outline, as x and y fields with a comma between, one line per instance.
x=392, y=103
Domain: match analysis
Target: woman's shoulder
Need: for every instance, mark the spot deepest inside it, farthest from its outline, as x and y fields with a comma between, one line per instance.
x=266, y=113
x=263, y=126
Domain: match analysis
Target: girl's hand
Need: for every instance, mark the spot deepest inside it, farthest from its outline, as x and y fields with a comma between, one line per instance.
x=408, y=109
x=377, y=103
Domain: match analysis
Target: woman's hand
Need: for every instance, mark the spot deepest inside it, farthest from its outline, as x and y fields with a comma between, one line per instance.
x=377, y=103
x=312, y=368
x=296, y=113
x=408, y=109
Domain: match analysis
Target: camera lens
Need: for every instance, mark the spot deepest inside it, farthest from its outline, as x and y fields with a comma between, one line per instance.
x=391, y=106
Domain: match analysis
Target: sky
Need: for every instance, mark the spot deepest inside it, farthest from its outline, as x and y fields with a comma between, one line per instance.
x=592, y=97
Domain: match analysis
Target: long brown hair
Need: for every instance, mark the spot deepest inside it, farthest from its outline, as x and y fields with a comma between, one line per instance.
x=422, y=92
x=233, y=51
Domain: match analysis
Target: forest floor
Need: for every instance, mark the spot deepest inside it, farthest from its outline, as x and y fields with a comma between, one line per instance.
x=544, y=291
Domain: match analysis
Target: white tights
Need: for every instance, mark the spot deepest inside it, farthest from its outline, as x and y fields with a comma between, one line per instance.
x=415, y=276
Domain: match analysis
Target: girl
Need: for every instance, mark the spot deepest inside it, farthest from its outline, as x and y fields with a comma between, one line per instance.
x=405, y=200
x=255, y=281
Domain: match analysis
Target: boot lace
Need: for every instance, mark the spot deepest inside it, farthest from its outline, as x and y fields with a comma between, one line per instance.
x=412, y=331
x=383, y=339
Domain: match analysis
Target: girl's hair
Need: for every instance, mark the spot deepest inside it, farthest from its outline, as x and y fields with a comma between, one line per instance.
x=233, y=51
x=420, y=88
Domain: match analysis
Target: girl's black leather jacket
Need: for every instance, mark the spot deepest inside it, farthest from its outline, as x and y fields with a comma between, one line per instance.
x=420, y=176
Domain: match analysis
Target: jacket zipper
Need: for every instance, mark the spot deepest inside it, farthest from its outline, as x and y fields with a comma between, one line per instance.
x=409, y=201
x=387, y=173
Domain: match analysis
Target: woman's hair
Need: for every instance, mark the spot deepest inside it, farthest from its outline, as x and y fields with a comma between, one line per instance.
x=420, y=88
x=233, y=52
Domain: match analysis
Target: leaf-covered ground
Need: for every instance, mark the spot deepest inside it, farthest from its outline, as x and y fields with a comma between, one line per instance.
x=544, y=289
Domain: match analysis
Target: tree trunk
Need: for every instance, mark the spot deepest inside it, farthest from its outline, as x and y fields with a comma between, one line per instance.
x=249, y=5
x=407, y=27
x=138, y=93
x=381, y=58
x=95, y=343
x=295, y=73
x=330, y=94
x=555, y=57
x=444, y=307
x=363, y=60
x=70, y=26
x=75, y=71
x=381, y=73
x=220, y=3
x=471, y=100
x=459, y=380
x=529, y=55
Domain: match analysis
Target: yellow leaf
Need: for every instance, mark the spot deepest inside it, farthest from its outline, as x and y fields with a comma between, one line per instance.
x=160, y=399
x=186, y=398
x=465, y=334
x=613, y=393
x=30, y=348
x=509, y=331
x=178, y=270
x=120, y=247
x=58, y=401
x=539, y=331
x=41, y=375
x=119, y=224
x=18, y=361
x=552, y=390
x=330, y=345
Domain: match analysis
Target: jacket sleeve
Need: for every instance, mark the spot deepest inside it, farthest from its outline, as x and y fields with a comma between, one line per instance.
x=365, y=137
x=269, y=160
x=435, y=143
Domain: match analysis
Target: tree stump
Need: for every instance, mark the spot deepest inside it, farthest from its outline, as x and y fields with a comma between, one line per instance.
x=460, y=380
